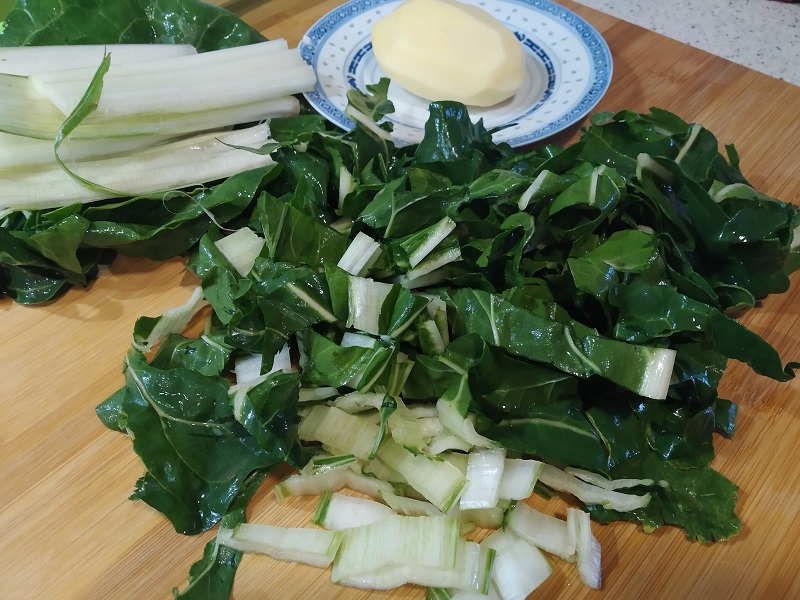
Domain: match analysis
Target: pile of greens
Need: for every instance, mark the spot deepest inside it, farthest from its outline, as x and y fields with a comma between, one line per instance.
x=642, y=234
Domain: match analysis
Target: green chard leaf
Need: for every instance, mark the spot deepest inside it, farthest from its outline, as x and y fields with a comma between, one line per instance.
x=649, y=311
x=211, y=577
x=196, y=455
x=558, y=431
x=268, y=411
x=203, y=25
x=170, y=226
x=698, y=499
x=566, y=346
x=294, y=236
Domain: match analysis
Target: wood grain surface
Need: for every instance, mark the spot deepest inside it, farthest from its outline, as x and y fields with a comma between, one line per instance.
x=69, y=532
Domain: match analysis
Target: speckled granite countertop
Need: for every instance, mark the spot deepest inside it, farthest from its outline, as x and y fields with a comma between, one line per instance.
x=761, y=34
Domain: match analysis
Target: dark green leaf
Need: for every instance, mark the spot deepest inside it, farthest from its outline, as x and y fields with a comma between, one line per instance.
x=211, y=577
x=207, y=27
x=698, y=499
x=195, y=454
x=649, y=311
x=558, y=432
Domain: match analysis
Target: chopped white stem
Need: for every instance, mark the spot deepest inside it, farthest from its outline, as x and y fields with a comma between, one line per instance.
x=436, y=234
x=422, y=411
x=173, y=320
x=445, y=442
x=694, y=130
x=343, y=225
x=587, y=547
x=428, y=279
x=365, y=299
x=360, y=256
x=379, y=469
x=346, y=184
x=484, y=472
x=315, y=547
x=314, y=394
x=351, y=339
x=656, y=378
x=397, y=550
x=607, y=484
x=356, y=402
x=527, y=195
x=368, y=123
x=593, y=187
x=549, y=533
x=341, y=511
x=411, y=507
x=519, y=568
x=331, y=481
x=433, y=262
x=412, y=431
x=238, y=392
x=247, y=368
x=591, y=494
x=519, y=478
x=471, y=573
x=485, y=518
x=311, y=303
x=327, y=462
x=457, y=459
x=399, y=372
x=437, y=310
x=430, y=338
x=645, y=162
x=438, y=481
x=491, y=594
x=335, y=427
x=460, y=425
x=282, y=361
x=241, y=248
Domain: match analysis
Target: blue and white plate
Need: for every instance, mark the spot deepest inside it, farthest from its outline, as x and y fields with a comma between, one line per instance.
x=568, y=69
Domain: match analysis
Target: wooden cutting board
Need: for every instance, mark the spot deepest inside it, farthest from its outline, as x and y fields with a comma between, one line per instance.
x=70, y=533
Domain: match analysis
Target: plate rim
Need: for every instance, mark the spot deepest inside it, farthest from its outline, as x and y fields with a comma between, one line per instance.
x=583, y=32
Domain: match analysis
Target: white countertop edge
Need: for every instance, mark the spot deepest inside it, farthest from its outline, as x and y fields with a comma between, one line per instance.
x=763, y=35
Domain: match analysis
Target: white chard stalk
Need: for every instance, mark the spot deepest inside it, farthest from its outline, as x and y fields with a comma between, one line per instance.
x=188, y=162
x=29, y=60
x=148, y=92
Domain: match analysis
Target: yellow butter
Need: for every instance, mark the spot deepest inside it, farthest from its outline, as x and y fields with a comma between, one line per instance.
x=448, y=50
